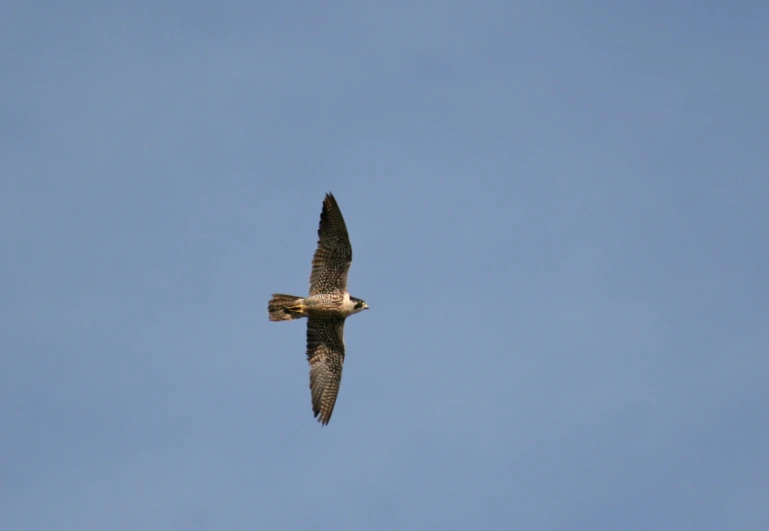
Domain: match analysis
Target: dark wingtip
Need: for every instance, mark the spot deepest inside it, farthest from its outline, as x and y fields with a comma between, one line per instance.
x=329, y=205
x=322, y=418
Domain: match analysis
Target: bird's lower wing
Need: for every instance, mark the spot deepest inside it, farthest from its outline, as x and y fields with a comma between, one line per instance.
x=325, y=353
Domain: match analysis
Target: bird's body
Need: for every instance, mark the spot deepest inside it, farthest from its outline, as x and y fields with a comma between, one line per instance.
x=326, y=307
x=331, y=306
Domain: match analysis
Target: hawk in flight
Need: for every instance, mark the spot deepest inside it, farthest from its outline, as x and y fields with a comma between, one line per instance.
x=326, y=308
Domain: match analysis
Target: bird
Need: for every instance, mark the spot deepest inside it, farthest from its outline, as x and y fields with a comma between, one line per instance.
x=326, y=308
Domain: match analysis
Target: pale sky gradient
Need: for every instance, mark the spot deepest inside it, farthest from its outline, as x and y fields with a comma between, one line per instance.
x=559, y=213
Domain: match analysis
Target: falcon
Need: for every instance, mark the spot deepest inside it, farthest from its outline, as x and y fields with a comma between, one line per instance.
x=326, y=308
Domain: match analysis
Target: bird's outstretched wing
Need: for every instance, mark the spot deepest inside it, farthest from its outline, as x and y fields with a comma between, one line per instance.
x=333, y=257
x=325, y=352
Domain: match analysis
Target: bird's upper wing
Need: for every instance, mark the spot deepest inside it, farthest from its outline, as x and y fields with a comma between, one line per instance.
x=325, y=352
x=332, y=259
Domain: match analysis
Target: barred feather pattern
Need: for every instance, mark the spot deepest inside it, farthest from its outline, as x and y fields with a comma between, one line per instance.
x=286, y=307
x=325, y=353
x=333, y=257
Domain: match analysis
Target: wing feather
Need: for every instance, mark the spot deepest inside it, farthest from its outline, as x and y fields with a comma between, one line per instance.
x=325, y=353
x=333, y=257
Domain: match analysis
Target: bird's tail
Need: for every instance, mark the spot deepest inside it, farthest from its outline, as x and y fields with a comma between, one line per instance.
x=286, y=307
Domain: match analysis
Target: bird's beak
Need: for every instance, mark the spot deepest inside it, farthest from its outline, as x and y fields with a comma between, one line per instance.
x=365, y=306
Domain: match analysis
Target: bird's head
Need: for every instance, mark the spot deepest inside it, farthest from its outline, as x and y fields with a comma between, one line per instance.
x=358, y=304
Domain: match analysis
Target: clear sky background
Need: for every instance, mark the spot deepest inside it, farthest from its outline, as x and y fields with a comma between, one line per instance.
x=559, y=213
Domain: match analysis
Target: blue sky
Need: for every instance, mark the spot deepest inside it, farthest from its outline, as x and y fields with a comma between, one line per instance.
x=559, y=219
